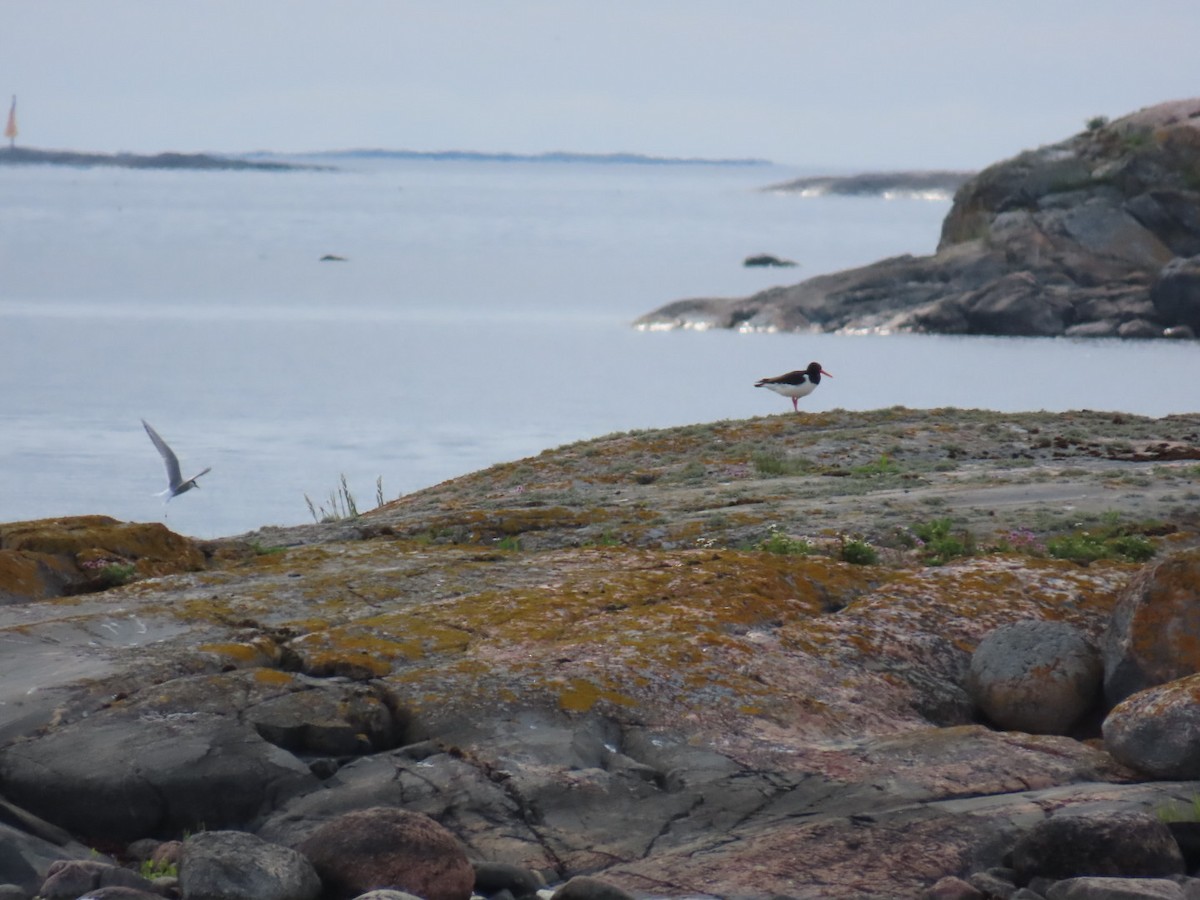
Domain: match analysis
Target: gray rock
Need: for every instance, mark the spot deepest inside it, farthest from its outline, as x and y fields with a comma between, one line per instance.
x=1094, y=888
x=1176, y=293
x=1035, y=676
x=233, y=865
x=992, y=886
x=1157, y=731
x=1133, y=845
x=69, y=879
x=387, y=895
x=30, y=845
x=120, y=893
x=1140, y=328
x=339, y=721
x=121, y=777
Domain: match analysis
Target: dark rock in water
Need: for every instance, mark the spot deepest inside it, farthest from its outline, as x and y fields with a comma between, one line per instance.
x=393, y=848
x=332, y=257
x=1073, y=238
x=765, y=259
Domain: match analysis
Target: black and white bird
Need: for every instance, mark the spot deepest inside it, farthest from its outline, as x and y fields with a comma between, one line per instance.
x=796, y=384
x=175, y=483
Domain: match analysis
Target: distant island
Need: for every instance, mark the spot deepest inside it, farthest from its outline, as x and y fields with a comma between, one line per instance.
x=274, y=161
x=557, y=156
x=32, y=156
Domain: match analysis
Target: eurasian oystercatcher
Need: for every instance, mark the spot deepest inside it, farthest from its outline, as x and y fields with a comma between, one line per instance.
x=175, y=483
x=795, y=384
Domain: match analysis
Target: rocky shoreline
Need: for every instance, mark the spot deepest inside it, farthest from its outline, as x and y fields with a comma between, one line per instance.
x=1094, y=236
x=877, y=184
x=737, y=659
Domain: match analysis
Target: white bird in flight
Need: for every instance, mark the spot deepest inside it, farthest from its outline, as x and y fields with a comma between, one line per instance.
x=175, y=483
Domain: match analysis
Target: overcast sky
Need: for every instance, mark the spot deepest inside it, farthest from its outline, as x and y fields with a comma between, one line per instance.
x=843, y=83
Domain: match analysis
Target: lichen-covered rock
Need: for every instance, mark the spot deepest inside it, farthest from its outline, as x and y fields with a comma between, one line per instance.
x=1035, y=676
x=234, y=865
x=385, y=847
x=1118, y=844
x=583, y=887
x=1154, y=634
x=1157, y=731
x=51, y=557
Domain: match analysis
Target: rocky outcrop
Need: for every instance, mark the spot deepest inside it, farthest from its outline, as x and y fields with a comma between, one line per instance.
x=642, y=693
x=56, y=557
x=1095, y=236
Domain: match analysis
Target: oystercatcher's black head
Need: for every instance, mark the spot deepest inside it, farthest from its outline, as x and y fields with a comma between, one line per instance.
x=814, y=372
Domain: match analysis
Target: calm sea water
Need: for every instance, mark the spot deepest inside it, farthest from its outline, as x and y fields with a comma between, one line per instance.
x=481, y=314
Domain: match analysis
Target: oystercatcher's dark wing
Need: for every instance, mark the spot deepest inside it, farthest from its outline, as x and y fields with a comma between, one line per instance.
x=789, y=378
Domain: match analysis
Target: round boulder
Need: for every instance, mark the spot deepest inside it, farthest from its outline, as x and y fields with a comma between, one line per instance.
x=386, y=847
x=1035, y=676
x=1154, y=634
x=1157, y=731
x=1118, y=844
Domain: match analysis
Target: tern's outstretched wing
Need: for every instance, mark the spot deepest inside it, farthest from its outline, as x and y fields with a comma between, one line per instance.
x=174, y=478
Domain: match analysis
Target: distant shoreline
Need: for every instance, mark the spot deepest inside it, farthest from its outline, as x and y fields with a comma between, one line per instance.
x=277, y=161
x=33, y=156
x=556, y=156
